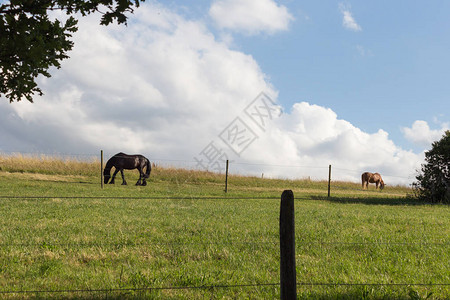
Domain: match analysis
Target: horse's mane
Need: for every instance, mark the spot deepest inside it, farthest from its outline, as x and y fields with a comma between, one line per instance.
x=109, y=164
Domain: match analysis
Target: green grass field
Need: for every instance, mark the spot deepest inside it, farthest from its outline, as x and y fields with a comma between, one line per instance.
x=182, y=237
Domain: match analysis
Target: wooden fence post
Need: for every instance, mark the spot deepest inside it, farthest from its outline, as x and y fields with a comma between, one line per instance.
x=101, y=168
x=329, y=180
x=288, y=281
x=226, y=178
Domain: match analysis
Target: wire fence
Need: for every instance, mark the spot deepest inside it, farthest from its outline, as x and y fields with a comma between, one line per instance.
x=245, y=168
x=271, y=244
x=260, y=243
x=218, y=286
x=340, y=179
x=81, y=245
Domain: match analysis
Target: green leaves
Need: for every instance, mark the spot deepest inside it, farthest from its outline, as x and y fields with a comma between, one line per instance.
x=433, y=183
x=31, y=43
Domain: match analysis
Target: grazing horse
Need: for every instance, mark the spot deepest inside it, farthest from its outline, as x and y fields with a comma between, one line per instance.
x=368, y=177
x=122, y=161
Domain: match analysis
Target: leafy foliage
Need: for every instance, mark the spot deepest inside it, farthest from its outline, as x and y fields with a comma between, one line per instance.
x=433, y=183
x=31, y=43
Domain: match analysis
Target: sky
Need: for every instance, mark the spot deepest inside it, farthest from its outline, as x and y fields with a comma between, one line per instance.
x=285, y=88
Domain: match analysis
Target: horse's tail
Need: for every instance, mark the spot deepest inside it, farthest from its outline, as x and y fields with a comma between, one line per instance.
x=363, y=178
x=149, y=168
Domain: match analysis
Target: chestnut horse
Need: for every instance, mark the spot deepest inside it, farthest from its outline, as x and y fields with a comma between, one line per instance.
x=368, y=177
x=122, y=161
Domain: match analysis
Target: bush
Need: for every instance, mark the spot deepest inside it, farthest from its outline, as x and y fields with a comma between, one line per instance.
x=433, y=182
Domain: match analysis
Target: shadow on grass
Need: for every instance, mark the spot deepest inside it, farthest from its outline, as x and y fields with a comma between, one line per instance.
x=153, y=295
x=67, y=182
x=373, y=200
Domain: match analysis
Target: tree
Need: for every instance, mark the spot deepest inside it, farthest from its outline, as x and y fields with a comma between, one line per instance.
x=31, y=43
x=433, y=182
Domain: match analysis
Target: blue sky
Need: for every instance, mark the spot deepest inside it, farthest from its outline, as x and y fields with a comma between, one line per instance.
x=387, y=74
x=361, y=85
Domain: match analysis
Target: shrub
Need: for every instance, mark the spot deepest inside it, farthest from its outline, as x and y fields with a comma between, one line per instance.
x=433, y=182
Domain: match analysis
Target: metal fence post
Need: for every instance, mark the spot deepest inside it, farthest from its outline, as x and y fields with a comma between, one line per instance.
x=226, y=178
x=329, y=180
x=288, y=281
x=101, y=168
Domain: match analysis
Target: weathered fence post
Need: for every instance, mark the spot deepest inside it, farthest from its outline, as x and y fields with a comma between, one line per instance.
x=226, y=178
x=329, y=180
x=288, y=281
x=101, y=167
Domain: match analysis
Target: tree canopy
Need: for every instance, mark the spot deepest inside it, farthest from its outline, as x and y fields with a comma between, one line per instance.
x=31, y=42
x=433, y=182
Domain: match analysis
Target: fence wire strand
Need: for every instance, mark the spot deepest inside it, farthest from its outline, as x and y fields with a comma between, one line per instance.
x=216, y=286
x=225, y=243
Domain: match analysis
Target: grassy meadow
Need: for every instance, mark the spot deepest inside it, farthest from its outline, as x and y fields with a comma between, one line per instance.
x=182, y=237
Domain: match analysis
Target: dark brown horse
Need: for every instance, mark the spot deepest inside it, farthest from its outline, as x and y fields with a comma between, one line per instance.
x=122, y=161
x=368, y=177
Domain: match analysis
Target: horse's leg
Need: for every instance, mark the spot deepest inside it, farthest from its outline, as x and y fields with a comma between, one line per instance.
x=123, y=177
x=144, y=182
x=141, y=176
x=376, y=185
x=114, y=176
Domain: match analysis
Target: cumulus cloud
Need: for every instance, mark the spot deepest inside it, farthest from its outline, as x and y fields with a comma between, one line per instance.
x=250, y=16
x=422, y=135
x=310, y=137
x=348, y=21
x=166, y=87
x=161, y=80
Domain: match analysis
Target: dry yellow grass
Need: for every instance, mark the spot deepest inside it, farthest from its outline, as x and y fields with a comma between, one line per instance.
x=70, y=169
x=44, y=177
x=45, y=164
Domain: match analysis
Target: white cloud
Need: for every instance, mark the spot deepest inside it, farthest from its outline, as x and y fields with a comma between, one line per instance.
x=165, y=87
x=422, y=135
x=348, y=21
x=363, y=51
x=311, y=137
x=250, y=16
x=162, y=82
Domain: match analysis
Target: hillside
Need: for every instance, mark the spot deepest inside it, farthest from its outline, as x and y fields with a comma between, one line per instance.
x=176, y=181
